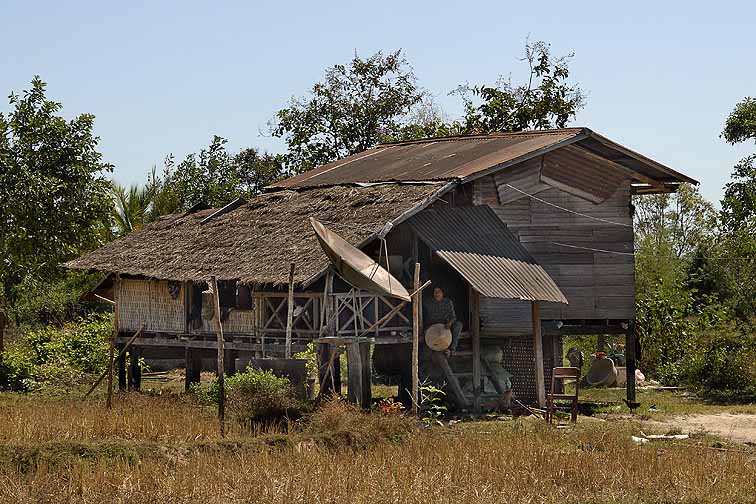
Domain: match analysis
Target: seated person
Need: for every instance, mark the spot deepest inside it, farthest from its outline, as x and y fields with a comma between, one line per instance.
x=440, y=310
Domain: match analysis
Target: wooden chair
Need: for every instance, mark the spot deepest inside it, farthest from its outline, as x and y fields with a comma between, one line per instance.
x=561, y=374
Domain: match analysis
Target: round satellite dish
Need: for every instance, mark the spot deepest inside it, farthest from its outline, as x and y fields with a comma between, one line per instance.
x=356, y=267
x=438, y=337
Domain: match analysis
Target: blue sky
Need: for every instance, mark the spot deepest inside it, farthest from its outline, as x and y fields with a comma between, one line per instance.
x=163, y=77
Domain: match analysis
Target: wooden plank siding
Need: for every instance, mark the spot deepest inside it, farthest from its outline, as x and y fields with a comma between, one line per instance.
x=598, y=285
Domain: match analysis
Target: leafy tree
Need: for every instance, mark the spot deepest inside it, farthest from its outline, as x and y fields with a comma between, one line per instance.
x=355, y=107
x=54, y=197
x=214, y=177
x=546, y=100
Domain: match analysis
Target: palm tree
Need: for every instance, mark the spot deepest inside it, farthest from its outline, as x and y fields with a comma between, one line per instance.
x=131, y=207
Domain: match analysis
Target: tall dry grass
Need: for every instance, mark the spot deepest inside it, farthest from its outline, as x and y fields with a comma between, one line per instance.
x=380, y=460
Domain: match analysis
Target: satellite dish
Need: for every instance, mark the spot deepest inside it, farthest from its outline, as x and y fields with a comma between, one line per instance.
x=356, y=267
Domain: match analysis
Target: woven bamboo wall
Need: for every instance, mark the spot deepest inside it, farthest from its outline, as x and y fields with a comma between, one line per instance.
x=149, y=303
x=518, y=360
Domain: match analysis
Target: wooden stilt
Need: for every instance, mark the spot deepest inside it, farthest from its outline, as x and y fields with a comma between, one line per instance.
x=121, y=363
x=111, y=352
x=630, y=343
x=538, y=354
x=290, y=311
x=135, y=370
x=475, y=337
x=221, y=366
x=367, y=375
x=416, y=327
x=354, y=369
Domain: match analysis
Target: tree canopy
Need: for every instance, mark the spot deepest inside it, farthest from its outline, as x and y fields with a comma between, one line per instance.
x=377, y=99
x=54, y=194
x=356, y=106
x=213, y=177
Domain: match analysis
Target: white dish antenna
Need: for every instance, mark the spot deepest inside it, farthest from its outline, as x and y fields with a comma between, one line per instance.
x=356, y=267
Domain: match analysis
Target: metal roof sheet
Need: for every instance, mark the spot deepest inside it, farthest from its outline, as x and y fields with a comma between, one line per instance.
x=475, y=242
x=468, y=157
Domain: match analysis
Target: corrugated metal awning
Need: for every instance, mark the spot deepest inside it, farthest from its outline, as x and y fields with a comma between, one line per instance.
x=475, y=242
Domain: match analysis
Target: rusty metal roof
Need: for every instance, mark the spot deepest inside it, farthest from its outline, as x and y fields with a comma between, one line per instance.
x=467, y=157
x=475, y=242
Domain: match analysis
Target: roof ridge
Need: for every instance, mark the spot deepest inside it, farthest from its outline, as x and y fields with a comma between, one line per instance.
x=497, y=134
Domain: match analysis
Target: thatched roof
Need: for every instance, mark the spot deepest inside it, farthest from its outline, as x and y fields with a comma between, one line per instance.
x=256, y=242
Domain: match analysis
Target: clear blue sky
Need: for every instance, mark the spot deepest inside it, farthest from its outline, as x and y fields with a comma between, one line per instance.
x=163, y=77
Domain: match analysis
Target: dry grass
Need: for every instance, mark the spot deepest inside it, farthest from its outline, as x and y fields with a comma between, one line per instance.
x=158, y=449
x=660, y=404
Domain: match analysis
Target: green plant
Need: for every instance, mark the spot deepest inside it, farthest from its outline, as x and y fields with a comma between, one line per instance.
x=432, y=404
x=57, y=356
x=311, y=356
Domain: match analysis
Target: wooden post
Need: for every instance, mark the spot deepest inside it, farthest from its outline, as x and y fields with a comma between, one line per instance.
x=121, y=362
x=354, y=370
x=630, y=342
x=221, y=366
x=367, y=375
x=111, y=352
x=3, y=319
x=459, y=396
x=538, y=354
x=135, y=370
x=475, y=336
x=416, y=314
x=290, y=311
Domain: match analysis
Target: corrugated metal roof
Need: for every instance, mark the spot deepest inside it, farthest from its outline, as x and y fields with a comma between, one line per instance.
x=430, y=160
x=474, y=242
x=468, y=157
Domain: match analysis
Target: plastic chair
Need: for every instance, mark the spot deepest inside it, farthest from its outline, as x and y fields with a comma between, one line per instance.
x=562, y=374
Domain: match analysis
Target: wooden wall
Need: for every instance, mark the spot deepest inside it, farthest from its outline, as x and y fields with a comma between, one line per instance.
x=598, y=285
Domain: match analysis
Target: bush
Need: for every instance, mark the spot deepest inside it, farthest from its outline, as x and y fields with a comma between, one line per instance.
x=253, y=396
x=57, y=356
x=722, y=363
x=260, y=396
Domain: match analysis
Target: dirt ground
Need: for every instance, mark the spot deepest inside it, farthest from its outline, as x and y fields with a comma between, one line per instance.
x=732, y=427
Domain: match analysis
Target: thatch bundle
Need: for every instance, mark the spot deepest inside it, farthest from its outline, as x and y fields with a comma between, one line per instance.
x=256, y=242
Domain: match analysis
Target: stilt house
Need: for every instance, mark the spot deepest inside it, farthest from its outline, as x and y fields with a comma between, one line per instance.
x=529, y=233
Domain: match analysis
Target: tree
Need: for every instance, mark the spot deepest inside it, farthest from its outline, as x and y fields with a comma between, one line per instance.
x=54, y=196
x=355, y=107
x=131, y=207
x=739, y=203
x=546, y=100
x=213, y=177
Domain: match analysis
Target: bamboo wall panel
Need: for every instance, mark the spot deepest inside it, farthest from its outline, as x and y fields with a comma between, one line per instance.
x=149, y=303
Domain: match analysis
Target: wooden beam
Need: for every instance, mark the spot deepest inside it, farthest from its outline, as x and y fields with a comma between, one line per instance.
x=290, y=311
x=417, y=300
x=459, y=396
x=475, y=337
x=538, y=354
x=221, y=367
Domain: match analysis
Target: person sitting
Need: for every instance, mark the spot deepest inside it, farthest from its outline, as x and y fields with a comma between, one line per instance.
x=440, y=310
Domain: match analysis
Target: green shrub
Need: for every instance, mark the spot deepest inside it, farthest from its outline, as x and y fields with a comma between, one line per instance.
x=57, y=356
x=254, y=396
x=260, y=396
x=722, y=363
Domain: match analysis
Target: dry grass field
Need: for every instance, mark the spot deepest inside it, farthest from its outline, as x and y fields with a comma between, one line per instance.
x=166, y=449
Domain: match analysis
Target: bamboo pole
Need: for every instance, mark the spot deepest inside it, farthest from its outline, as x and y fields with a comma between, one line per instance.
x=116, y=330
x=416, y=302
x=221, y=367
x=290, y=311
